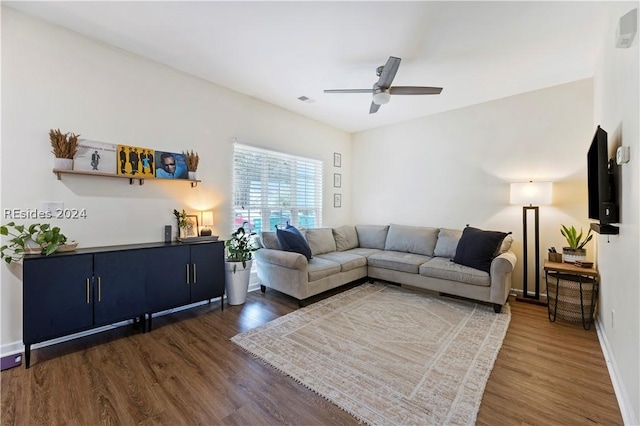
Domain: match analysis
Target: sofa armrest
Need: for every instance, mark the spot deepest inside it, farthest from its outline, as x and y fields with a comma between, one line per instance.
x=282, y=258
x=501, y=269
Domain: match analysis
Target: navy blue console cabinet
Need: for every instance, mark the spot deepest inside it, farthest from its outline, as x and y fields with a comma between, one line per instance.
x=70, y=292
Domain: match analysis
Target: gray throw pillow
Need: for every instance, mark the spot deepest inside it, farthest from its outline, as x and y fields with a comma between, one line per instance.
x=411, y=239
x=372, y=236
x=506, y=244
x=321, y=240
x=447, y=242
x=346, y=237
x=269, y=240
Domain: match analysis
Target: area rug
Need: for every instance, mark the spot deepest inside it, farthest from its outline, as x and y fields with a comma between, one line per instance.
x=388, y=355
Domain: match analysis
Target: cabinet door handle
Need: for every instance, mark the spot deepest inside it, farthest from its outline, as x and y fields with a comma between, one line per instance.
x=99, y=289
x=195, y=275
x=88, y=291
x=187, y=273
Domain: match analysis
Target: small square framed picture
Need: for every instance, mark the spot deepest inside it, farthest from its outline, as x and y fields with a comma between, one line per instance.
x=337, y=159
x=337, y=200
x=337, y=180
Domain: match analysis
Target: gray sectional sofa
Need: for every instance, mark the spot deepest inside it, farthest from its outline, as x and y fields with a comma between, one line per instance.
x=417, y=256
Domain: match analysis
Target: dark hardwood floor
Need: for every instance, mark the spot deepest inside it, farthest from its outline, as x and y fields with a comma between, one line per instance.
x=187, y=372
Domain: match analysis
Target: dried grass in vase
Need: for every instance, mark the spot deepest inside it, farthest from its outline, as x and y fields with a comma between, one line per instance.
x=192, y=159
x=65, y=145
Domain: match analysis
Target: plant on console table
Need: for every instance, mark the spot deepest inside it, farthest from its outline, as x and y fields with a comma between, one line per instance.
x=64, y=147
x=575, y=251
x=238, y=259
x=35, y=238
x=181, y=217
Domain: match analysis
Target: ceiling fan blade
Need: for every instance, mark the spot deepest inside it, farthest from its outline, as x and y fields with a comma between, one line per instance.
x=374, y=108
x=349, y=91
x=414, y=90
x=388, y=72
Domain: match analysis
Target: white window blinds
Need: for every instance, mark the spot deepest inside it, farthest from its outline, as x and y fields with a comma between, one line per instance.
x=271, y=188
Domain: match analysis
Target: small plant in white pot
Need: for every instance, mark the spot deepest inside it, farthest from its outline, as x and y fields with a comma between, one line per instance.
x=238, y=259
x=575, y=251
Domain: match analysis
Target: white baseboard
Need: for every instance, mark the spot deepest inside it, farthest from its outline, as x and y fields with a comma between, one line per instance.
x=628, y=416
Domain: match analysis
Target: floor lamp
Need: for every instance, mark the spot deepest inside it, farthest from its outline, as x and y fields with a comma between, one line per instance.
x=530, y=195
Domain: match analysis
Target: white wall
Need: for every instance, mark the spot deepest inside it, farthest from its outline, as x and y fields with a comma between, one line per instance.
x=454, y=168
x=617, y=111
x=55, y=78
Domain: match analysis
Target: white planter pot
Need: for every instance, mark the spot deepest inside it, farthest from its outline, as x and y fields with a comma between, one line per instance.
x=63, y=163
x=192, y=175
x=570, y=255
x=237, y=283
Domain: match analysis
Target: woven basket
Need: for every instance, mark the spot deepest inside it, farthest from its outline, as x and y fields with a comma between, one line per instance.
x=569, y=306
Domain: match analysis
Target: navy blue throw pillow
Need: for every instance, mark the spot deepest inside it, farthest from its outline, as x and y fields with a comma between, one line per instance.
x=477, y=248
x=291, y=239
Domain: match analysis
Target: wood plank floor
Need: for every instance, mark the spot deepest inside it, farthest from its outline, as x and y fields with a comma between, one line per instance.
x=187, y=372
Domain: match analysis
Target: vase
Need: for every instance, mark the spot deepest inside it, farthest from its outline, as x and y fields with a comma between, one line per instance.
x=63, y=163
x=182, y=232
x=570, y=255
x=237, y=281
x=192, y=175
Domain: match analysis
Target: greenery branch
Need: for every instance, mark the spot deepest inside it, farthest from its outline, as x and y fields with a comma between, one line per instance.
x=240, y=247
x=574, y=239
x=45, y=236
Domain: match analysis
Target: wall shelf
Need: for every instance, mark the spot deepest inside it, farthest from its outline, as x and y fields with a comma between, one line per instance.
x=132, y=179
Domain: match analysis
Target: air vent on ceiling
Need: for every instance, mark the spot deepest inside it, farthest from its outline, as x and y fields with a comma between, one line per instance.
x=306, y=99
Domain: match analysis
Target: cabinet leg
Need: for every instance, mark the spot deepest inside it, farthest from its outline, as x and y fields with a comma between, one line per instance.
x=27, y=356
x=263, y=288
x=149, y=323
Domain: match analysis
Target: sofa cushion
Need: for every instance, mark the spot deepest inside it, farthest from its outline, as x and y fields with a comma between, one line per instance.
x=372, y=236
x=346, y=237
x=447, y=242
x=320, y=268
x=411, y=239
x=291, y=239
x=321, y=240
x=269, y=239
x=366, y=252
x=398, y=261
x=347, y=261
x=477, y=248
x=440, y=267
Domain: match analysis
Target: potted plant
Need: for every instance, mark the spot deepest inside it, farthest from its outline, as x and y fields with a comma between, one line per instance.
x=192, y=159
x=181, y=217
x=576, y=250
x=34, y=238
x=238, y=259
x=65, y=146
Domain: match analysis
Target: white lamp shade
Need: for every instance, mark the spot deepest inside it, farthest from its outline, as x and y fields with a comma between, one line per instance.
x=531, y=193
x=207, y=218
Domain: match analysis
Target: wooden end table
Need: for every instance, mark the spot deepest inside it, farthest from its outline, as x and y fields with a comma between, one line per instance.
x=557, y=271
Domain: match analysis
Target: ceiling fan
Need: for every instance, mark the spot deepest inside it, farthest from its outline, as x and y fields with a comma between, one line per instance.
x=382, y=89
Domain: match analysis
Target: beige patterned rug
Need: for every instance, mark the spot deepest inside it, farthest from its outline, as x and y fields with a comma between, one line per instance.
x=388, y=355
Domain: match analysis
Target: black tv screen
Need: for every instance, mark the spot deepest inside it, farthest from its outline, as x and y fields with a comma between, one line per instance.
x=599, y=179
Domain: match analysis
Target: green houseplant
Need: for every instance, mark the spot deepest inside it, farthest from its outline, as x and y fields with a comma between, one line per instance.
x=238, y=259
x=577, y=241
x=43, y=237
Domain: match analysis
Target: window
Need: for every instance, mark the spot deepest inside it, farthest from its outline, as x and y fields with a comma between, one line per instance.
x=271, y=188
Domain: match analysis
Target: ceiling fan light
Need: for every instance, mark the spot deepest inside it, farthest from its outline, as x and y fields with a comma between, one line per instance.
x=381, y=98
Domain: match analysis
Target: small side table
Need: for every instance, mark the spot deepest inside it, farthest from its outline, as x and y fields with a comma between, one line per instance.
x=586, y=280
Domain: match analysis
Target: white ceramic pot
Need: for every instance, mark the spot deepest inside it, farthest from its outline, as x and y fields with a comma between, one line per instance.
x=570, y=255
x=237, y=283
x=192, y=175
x=63, y=163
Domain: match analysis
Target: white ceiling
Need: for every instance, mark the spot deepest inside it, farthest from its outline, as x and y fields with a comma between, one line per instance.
x=277, y=51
